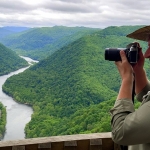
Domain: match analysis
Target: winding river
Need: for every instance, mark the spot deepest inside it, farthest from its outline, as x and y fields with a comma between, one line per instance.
x=18, y=115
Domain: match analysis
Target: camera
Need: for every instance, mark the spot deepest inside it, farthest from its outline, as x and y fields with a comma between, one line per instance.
x=131, y=51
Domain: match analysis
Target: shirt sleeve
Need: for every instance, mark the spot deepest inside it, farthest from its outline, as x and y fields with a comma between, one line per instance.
x=144, y=91
x=130, y=126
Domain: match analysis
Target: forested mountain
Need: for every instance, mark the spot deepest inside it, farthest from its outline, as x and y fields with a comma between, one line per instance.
x=10, y=61
x=38, y=43
x=72, y=90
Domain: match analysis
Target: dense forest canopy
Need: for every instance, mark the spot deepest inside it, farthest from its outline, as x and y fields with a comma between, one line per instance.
x=10, y=61
x=72, y=90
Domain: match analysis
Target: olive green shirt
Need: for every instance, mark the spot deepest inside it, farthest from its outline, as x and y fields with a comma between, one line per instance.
x=129, y=126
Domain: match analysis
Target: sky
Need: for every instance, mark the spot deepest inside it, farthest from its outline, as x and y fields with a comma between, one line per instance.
x=88, y=13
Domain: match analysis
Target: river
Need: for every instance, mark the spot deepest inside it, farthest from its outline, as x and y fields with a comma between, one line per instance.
x=18, y=115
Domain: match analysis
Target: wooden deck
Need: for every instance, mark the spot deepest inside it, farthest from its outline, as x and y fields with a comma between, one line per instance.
x=96, y=141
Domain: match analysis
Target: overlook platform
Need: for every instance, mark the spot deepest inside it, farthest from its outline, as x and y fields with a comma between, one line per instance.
x=95, y=141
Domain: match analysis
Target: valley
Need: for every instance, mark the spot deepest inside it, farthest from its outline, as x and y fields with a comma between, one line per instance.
x=72, y=89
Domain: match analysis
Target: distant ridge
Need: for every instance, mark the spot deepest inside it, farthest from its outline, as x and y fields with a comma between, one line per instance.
x=38, y=43
x=15, y=29
x=10, y=30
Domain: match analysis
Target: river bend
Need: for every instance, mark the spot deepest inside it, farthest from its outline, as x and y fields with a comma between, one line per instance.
x=18, y=115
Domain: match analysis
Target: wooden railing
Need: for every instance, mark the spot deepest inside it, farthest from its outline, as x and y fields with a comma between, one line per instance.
x=96, y=141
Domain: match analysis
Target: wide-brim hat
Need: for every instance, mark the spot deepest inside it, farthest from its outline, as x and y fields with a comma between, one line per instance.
x=140, y=34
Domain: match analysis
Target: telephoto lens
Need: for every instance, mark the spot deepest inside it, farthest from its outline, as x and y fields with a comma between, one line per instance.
x=113, y=54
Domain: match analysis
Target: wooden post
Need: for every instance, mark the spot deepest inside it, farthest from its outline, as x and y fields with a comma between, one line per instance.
x=44, y=146
x=95, y=144
x=70, y=145
x=18, y=148
x=57, y=145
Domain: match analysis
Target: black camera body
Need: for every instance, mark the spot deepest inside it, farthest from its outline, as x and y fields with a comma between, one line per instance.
x=131, y=51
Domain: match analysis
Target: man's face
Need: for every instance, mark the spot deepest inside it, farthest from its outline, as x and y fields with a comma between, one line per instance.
x=147, y=53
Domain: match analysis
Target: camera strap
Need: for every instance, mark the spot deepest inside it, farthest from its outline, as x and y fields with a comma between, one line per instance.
x=133, y=89
x=133, y=94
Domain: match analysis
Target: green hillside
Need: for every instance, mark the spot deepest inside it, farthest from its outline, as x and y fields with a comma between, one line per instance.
x=2, y=120
x=38, y=43
x=73, y=89
x=10, y=61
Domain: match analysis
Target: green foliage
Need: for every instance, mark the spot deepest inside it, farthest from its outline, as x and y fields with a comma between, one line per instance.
x=2, y=120
x=72, y=90
x=10, y=61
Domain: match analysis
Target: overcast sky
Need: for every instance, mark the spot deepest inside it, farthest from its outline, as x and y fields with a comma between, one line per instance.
x=89, y=13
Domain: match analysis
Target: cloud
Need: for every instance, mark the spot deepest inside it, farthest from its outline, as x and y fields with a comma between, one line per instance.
x=14, y=6
x=68, y=7
x=95, y=13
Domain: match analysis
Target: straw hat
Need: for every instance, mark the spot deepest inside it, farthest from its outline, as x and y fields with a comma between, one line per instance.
x=140, y=34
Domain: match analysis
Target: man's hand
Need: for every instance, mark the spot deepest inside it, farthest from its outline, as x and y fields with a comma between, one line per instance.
x=124, y=67
x=140, y=64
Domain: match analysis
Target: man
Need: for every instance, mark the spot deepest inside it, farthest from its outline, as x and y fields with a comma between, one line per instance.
x=129, y=126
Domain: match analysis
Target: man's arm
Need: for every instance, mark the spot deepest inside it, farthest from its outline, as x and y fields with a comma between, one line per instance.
x=126, y=73
x=130, y=127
